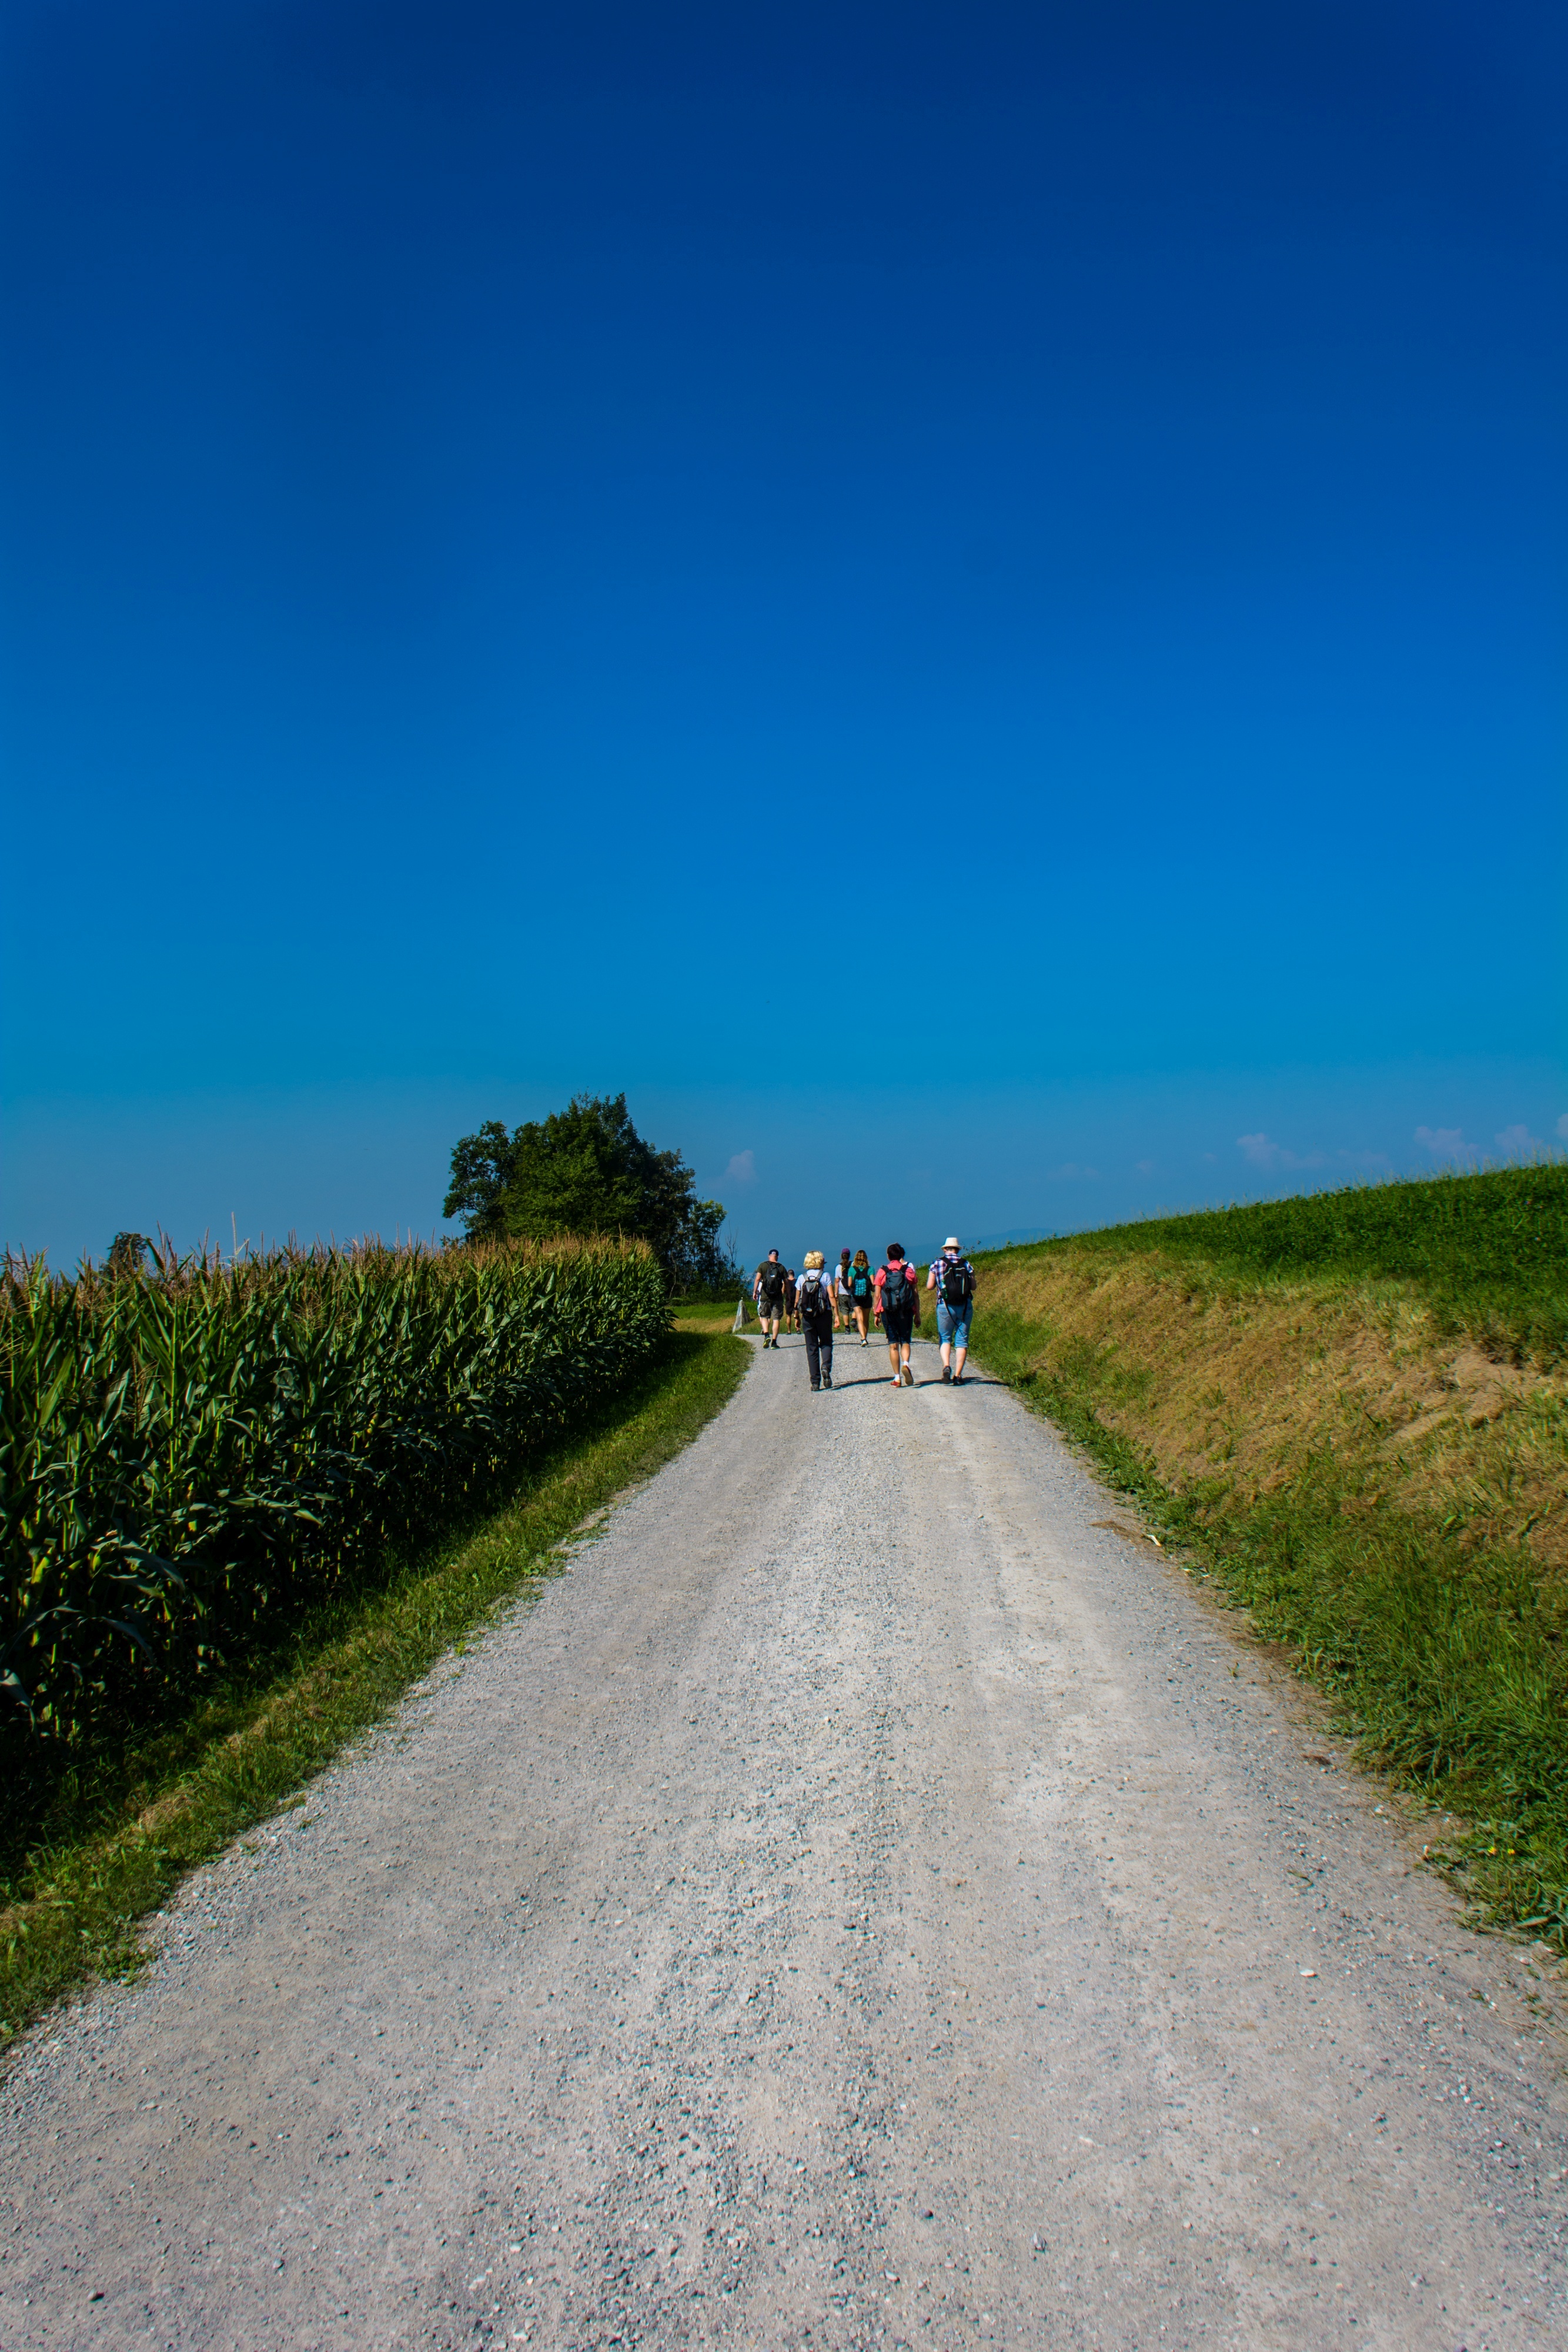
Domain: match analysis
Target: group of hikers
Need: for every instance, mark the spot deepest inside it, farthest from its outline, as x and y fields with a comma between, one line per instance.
x=817, y=1302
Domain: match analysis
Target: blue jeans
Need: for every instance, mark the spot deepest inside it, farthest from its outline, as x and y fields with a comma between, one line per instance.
x=953, y=1323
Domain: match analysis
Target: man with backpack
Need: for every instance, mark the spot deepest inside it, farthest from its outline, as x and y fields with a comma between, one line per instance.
x=767, y=1290
x=952, y=1278
x=814, y=1306
x=895, y=1288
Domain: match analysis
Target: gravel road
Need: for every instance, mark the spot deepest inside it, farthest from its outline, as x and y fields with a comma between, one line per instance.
x=863, y=1902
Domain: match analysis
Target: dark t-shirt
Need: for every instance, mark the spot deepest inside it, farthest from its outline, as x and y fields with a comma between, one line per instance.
x=771, y=1278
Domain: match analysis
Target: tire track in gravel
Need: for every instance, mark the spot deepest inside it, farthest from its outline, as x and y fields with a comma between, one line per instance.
x=857, y=1905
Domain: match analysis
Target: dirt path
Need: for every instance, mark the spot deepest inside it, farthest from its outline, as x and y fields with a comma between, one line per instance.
x=863, y=1904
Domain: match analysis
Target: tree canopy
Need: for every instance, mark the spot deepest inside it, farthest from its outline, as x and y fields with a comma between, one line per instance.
x=586, y=1169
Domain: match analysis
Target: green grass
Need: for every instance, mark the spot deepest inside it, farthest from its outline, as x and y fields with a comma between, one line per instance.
x=707, y=1315
x=1489, y=1252
x=108, y=1850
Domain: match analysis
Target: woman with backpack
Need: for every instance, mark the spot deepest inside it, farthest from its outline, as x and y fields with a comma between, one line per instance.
x=859, y=1293
x=952, y=1278
x=842, y=1292
x=899, y=1298
x=814, y=1306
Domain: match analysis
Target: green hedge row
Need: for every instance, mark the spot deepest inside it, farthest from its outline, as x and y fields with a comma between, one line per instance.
x=191, y=1459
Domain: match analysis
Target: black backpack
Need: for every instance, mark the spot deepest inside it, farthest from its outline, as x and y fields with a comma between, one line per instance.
x=811, y=1295
x=897, y=1290
x=957, y=1282
x=772, y=1278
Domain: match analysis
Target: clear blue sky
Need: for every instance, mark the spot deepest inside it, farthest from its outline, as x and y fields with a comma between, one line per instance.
x=965, y=602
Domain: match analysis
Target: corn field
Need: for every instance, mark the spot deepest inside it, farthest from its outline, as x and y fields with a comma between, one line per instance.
x=193, y=1457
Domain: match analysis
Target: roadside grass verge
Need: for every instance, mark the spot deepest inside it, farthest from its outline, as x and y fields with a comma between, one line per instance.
x=707, y=1315
x=1388, y=1505
x=110, y=1849
x=1485, y=1253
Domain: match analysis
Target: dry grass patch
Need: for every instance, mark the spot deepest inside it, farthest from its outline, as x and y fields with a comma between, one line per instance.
x=1251, y=1381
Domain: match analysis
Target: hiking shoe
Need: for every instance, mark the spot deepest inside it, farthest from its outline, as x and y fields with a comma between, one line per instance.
x=909, y=1376
x=817, y=1384
x=946, y=1372
x=827, y=1380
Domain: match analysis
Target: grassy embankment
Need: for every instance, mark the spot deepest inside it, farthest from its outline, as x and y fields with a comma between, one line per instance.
x=1354, y=1409
x=116, y=1839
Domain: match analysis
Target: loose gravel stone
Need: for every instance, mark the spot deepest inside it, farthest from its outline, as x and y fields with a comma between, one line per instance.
x=863, y=1902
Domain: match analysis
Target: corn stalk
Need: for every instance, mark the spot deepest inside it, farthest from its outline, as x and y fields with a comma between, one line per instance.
x=192, y=1457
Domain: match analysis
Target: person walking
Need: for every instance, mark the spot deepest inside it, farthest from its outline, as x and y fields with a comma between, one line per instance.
x=767, y=1290
x=814, y=1306
x=952, y=1278
x=899, y=1300
x=861, y=1293
x=792, y=1321
x=842, y=1292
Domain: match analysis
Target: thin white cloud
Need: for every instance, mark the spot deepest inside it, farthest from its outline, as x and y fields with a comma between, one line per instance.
x=1446, y=1142
x=1262, y=1151
x=1516, y=1140
x=742, y=1169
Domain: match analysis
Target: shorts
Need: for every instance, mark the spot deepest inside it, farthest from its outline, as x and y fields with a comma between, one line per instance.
x=953, y=1323
x=770, y=1310
x=898, y=1329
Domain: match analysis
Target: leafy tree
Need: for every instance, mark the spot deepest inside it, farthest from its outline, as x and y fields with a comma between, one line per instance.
x=480, y=1166
x=127, y=1254
x=586, y=1169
